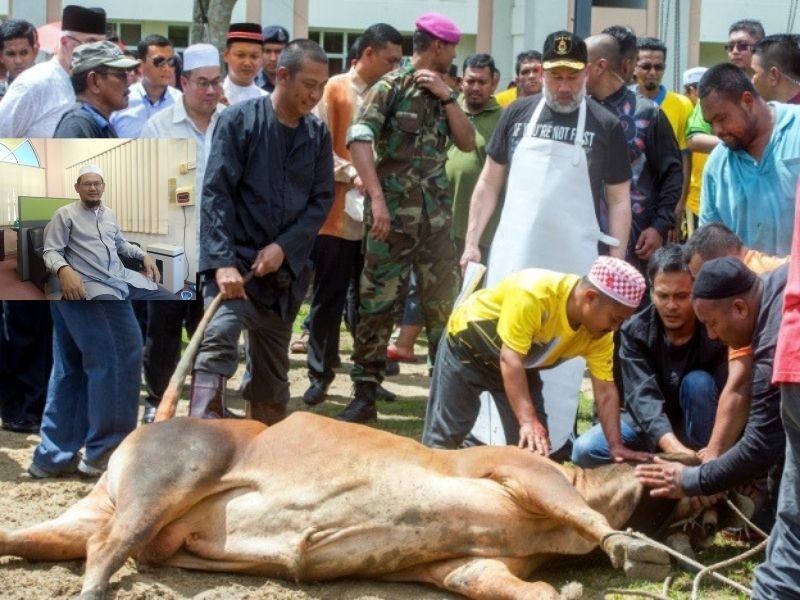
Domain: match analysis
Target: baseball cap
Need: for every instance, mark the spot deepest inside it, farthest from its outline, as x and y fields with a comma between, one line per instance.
x=100, y=54
x=564, y=49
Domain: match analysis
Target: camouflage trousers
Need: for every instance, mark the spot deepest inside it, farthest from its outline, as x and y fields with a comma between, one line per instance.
x=384, y=286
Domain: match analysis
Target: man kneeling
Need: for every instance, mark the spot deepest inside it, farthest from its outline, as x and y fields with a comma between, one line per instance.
x=671, y=371
x=499, y=338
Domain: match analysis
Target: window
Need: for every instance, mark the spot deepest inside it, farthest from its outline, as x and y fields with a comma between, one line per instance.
x=19, y=152
x=178, y=35
x=337, y=45
x=130, y=33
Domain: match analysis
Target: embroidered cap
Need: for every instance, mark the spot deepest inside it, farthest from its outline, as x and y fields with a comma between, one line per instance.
x=618, y=280
x=245, y=32
x=198, y=56
x=275, y=34
x=438, y=26
x=564, y=49
x=100, y=54
x=723, y=278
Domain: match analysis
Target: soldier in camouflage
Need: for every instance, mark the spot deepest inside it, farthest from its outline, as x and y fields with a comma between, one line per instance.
x=408, y=115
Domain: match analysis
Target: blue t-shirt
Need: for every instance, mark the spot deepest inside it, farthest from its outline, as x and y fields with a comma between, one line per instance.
x=756, y=198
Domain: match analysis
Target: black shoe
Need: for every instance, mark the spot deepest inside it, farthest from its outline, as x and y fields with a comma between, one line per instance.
x=392, y=368
x=362, y=408
x=316, y=393
x=149, y=414
x=383, y=394
x=22, y=426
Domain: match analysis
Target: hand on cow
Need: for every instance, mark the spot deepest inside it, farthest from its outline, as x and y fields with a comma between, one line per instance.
x=700, y=502
x=533, y=436
x=663, y=477
x=621, y=453
x=230, y=283
x=269, y=259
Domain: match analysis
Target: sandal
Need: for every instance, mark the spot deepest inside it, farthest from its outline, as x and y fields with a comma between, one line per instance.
x=393, y=353
x=300, y=345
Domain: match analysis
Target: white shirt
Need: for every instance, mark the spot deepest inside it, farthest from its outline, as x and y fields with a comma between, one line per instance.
x=129, y=122
x=174, y=122
x=35, y=101
x=236, y=93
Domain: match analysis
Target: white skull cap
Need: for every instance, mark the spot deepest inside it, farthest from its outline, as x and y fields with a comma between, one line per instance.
x=89, y=169
x=200, y=55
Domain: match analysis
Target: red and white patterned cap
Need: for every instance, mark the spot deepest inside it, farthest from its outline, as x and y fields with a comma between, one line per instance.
x=618, y=280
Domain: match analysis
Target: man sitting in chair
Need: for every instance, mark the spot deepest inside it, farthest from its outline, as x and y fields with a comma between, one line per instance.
x=82, y=244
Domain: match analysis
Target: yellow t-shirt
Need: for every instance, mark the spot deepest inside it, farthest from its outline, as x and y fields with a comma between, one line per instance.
x=527, y=312
x=677, y=108
x=506, y=97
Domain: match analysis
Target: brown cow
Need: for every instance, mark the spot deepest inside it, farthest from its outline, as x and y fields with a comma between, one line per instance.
x=312, y=499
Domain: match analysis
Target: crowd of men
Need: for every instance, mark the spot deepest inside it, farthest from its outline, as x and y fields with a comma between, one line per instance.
x=375, y=188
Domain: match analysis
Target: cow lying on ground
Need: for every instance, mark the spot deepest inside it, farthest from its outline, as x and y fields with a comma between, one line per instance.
x=313, y=499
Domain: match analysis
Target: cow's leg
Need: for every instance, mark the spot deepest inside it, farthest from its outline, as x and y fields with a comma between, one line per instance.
x=62, y=538
x=545, y=490
x=481, y=578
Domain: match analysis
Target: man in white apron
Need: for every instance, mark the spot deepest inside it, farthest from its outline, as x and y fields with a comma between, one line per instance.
x=563, y=160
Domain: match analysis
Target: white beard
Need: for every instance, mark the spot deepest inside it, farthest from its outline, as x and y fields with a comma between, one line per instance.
x=556, y=106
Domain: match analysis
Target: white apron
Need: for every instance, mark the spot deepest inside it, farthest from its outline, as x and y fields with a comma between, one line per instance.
x=548, y=221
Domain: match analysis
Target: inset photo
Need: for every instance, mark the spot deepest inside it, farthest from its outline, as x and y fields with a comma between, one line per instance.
x=98, y=219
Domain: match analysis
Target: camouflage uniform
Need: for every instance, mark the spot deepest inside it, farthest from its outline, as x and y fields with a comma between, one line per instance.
x=409, y=128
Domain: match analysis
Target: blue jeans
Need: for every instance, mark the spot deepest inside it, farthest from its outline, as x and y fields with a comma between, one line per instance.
x=698, y=402
x=779, y=576
x=93, y=394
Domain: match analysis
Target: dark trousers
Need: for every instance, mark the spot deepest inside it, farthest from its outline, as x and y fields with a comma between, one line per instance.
x=267, y=349
x=162, y=344
x=336, y=263
x=26, y=357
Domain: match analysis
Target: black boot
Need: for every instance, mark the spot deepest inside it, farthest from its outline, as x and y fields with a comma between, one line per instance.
x=316, y=392
x=362, y=408
x=206, y=397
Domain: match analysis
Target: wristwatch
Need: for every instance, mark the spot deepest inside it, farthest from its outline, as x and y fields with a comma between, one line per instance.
x=450, y=99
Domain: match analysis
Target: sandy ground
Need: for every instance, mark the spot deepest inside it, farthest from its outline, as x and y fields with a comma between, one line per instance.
x=24, y=501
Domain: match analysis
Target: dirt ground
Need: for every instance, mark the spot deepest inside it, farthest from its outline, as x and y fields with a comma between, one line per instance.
x=24, y=501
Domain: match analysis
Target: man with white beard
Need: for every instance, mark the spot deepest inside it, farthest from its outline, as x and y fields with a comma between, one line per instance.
x=563, y=161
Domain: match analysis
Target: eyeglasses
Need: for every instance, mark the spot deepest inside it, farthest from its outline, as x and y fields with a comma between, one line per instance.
x=204, y=84
x=88, y=40
x=92, y=184
x=160, y=61
x=740, y=46
x=650, y=66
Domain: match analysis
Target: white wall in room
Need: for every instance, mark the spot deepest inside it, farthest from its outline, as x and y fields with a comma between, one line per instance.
x=718, y=15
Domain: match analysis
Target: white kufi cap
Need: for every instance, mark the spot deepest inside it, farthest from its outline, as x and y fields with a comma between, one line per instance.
x=200, y=55
x=89, y=169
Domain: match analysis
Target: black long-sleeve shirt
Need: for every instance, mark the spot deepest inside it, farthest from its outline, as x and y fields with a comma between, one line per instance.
x=265, y=183
x=652, y=371
x=763, y=441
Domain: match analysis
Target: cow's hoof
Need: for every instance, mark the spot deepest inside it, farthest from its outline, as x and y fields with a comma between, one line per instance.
x=645, y=561
x=571, y=591
x=92, y=595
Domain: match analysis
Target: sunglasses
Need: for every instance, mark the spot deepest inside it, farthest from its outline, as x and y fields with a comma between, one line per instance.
x=740, y=46
x=650, y=66
x=160, y=61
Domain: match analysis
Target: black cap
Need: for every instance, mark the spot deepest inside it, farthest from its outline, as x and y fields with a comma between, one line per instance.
x=724, y=277
x=275, y=34
x=83, y=20
x=245, y=32
x=564, y=49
